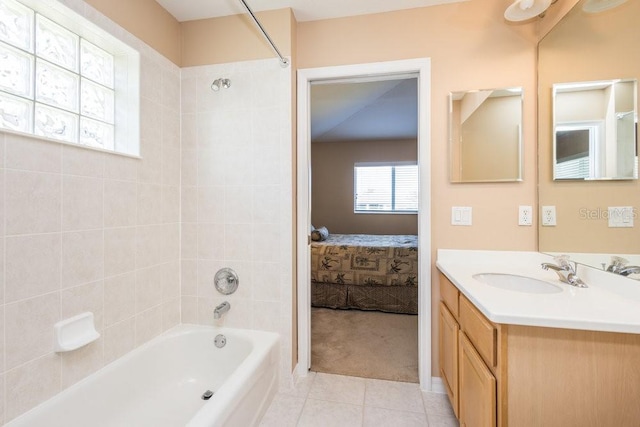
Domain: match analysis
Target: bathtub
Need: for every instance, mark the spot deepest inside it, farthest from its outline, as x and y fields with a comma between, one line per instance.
x=161, y=384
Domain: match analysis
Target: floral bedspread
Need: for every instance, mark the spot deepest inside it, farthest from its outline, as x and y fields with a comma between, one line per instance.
x=366, y=260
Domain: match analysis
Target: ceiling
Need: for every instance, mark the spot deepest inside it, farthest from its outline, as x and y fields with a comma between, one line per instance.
x=374, y=110
x=340, y=111
x=304, y=10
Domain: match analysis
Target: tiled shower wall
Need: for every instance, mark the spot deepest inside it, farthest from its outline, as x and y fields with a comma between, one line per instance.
x=83, y=230
x=237, y=196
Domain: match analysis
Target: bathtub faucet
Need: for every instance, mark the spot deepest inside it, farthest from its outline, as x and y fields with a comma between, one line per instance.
x=221, y=309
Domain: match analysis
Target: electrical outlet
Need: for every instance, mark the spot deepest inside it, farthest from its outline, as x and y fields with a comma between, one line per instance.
x=549, y=215
x=525, y=215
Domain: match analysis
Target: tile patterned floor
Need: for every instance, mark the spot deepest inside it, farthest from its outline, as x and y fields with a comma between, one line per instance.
x=338, y=401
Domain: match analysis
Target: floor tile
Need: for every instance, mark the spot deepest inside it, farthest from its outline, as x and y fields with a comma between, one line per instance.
x=338, y=388
x=302, y=387
x=394, y=395
x=283, y=412
x=442, y=421
x=320, y=413
x=379, y=417
x=437, y=404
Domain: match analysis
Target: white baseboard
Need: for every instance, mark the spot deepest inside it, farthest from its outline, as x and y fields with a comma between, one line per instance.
x=437, y=386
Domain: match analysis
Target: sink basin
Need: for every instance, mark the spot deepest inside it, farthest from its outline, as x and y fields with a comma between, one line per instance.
x=513, y=282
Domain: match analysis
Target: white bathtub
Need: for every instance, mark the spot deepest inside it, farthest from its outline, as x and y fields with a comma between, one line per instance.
x=161, y=384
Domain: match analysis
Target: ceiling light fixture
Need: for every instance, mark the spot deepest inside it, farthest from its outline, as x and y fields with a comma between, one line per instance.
x=522, y=10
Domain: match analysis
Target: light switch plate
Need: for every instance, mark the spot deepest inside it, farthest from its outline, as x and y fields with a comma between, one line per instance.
x=461, y=215
x=620, y=216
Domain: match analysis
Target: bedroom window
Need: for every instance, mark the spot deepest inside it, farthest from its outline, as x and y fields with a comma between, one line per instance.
x=63, y=78
x=385, y=188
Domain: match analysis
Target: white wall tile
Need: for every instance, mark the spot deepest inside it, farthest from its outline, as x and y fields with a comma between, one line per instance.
x=82, y=203
x=120, y=203
x=32, y=202
x=31, y=384
x=32, y=265
x=119, y=298
x=82, y=257
x=120, y=250
x=28, y=328
x=29, y=154
x=148, y=288
x=83, y=298
x=119, y=339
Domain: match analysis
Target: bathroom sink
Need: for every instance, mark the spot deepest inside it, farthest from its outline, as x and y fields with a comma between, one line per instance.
x=513, y=282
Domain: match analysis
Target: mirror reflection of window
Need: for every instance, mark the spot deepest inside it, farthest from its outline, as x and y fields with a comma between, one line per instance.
x=595, y=130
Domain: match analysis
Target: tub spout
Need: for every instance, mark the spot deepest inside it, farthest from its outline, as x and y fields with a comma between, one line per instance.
x=221, y=309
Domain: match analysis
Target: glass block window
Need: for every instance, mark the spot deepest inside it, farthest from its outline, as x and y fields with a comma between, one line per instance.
x=57, y=84
x=385, y=188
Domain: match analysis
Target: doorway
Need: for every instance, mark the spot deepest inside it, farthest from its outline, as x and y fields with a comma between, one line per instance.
x=420, y=69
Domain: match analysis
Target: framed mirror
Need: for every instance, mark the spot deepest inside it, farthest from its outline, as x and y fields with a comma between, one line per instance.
x=485, y=135
x=594, y=130
x=590, y=45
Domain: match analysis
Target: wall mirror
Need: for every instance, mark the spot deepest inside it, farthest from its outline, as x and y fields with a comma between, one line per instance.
x=594, y=130
x=590, y=45
x=485, y=135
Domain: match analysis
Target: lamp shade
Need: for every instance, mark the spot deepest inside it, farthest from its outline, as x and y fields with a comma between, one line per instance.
x=521, y=10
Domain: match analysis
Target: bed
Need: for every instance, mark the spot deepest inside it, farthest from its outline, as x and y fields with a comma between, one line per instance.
x=366, y=272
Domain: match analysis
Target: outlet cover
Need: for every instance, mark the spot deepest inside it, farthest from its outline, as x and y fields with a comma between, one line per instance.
x=549, y=216
x=621, y=216
x=461, y=215
x=525, y=215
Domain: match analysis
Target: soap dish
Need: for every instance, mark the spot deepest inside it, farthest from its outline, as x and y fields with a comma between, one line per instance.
x=75, y=332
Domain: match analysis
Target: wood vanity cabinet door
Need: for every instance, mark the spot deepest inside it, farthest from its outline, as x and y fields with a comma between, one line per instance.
x=449, y=330
x=477, y=388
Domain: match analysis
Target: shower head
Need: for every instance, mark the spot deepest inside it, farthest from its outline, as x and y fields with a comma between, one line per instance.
x=220, y=83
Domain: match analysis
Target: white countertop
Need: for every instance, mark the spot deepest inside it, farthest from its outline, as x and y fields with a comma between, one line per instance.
x=611, y=303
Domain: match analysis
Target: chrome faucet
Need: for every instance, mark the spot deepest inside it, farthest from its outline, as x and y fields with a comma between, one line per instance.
x=619, y=266
x=221, y=309
x=566, y=271
x=627, y=270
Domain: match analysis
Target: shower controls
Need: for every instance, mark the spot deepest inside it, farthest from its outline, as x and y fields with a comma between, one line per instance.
x=226, y=281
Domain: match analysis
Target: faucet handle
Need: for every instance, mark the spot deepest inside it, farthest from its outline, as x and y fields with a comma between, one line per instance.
x=564, y=262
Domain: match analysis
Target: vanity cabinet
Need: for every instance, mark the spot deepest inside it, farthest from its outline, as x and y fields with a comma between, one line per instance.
x=499, y=375
x=468, y=358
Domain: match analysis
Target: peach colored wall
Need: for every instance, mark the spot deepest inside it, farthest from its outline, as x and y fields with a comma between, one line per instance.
x=236, y=38
x=470, y=47
x=332, y=186
x=148, y=21
x=570, y=54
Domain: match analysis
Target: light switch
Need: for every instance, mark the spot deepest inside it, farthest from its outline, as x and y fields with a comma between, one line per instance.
x=621, y=216
x=461, y=215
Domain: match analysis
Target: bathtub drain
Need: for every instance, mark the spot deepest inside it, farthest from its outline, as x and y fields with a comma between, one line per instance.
x=207, y=395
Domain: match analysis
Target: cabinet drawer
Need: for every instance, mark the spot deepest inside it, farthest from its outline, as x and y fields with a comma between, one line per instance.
x=481, y=332
x=449, y=294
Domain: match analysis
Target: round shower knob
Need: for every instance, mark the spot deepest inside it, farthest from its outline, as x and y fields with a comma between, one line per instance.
x=226, y=281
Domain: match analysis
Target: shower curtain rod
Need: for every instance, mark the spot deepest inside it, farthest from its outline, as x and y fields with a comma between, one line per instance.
x=284, y=62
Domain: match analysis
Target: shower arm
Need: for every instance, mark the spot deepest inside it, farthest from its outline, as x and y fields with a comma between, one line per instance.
x=284, y=62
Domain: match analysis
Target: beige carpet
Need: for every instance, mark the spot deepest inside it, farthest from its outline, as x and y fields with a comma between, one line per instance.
x=367, y=344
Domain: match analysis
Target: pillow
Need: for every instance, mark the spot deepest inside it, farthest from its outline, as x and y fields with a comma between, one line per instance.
x=319, y=234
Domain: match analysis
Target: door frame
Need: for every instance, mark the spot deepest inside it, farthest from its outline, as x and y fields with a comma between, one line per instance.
x=421, y=68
